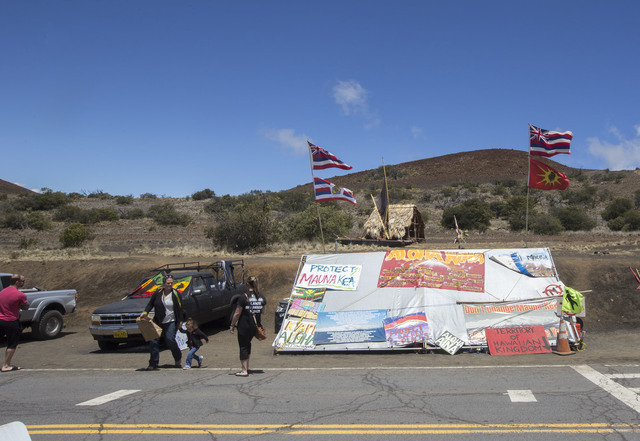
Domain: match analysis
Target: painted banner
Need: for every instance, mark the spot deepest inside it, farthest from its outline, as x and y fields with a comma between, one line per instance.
x=460, y=271
x=339, y=277
x=536, y=263
x=520, y=340
x=449, y=342
x=404, y=330
x=311, y=294
x=479, y=317
x=350, y=326
x=151, y=285
x=305, y=309
x=295, y=334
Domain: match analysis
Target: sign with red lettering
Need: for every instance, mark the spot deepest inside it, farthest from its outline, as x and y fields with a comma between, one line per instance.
x=517, y=340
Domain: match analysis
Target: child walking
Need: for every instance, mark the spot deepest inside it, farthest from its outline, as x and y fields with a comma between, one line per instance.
x=194, y=340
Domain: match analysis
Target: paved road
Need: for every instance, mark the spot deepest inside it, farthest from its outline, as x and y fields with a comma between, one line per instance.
x=457, y=403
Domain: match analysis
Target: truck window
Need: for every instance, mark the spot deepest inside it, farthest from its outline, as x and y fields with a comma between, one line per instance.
x=198, y=286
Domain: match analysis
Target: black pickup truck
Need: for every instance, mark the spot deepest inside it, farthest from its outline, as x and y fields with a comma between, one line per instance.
x=207, y=293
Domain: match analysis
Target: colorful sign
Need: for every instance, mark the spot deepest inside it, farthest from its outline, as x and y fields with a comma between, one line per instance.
x=536, y=263
x=339, y=277
x=479, y=317
x=408, y=329
x=152, y=284
x=305, y=309
x=350, y=326
x=295, y=334
x=460, y=271
x=520, y=340
x=311, y=294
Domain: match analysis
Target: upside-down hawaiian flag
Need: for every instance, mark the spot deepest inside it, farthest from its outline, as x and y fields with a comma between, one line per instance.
x=544, y=177
x=323, y=159
x=326, y=191
x=547, y=142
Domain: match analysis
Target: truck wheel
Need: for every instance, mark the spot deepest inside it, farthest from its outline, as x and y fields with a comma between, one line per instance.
x=107, y=345
x=49, y=325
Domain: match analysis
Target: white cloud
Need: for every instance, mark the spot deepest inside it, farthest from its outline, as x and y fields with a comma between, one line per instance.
x=288, y=139
x=621, y=155
x=352, y=97
x=417, y=133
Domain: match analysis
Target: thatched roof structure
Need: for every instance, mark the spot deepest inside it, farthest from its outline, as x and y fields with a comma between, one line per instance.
x=405, y=222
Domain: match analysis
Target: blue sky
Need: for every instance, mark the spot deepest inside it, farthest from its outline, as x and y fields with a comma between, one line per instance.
x=172, y=97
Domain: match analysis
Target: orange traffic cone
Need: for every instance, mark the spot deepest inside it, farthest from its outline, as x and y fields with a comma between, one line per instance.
x=562, y=342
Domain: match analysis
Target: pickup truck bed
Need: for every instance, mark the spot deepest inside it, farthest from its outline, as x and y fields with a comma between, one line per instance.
x=46, y=309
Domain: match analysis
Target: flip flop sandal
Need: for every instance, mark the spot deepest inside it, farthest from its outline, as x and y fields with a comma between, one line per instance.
x=240, y=374
x=13, y=368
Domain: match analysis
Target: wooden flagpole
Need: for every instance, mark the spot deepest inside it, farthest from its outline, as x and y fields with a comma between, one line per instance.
x=313, y=188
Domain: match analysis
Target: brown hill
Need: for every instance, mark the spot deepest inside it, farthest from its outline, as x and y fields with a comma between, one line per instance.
x=481, y=167
x=11, y=189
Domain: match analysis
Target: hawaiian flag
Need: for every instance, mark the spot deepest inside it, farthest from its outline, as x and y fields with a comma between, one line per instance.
x=326, y=191
x=544, y=177
x=548, y=143
x=323, y=159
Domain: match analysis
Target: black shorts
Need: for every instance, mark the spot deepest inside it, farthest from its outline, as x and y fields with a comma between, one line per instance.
x=12, y=330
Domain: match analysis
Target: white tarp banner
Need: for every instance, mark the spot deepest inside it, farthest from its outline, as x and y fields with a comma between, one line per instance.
x=388, y=285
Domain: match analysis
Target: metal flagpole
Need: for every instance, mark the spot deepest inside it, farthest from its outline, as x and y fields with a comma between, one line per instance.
x=313, y=188
x=526, y=219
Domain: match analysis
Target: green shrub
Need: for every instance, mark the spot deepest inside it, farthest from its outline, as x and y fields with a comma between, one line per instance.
x=203, y=194
x=248, y=227
x=136, y=213
x=617, y=208
x=74, y=235
x=545, y=224
x=616, y=224
x=99, y=194
x=21, y=221
x=124, y=200
x=632, y=220
x=585, y=197
x=68, y=213
x=38, y=221
x=294, y=201
x=574, y=218
x=473, y=214
x=220, y=204
x=166, y=214
x=148, y=196
x=48, y=200
x=305, y=225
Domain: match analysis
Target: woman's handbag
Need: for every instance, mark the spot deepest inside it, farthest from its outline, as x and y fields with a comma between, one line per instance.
x=261, y=333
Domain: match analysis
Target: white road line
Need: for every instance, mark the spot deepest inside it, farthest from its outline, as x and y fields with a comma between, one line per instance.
x=624, y=394
x=521, y=396
x=623, y=376
x=109, y=397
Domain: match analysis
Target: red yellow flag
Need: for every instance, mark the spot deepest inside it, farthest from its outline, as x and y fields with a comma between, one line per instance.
x=544, y=177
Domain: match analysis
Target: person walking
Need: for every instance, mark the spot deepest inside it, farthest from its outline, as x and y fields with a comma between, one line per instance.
x=169, y=316
x=12, y=300
x=243, y=321
x=194, y=340
x=256, y=299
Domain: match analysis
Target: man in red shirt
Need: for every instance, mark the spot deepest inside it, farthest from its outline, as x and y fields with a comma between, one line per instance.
x=12, y=300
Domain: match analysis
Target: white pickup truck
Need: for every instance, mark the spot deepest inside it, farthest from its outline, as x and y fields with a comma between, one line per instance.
x=46, y=309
